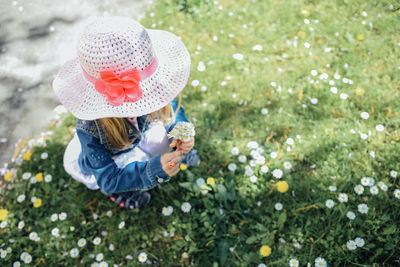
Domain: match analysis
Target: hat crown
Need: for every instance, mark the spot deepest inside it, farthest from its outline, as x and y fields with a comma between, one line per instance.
x=115, y=44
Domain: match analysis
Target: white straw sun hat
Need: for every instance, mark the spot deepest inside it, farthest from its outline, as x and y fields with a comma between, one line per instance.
x=122, y=70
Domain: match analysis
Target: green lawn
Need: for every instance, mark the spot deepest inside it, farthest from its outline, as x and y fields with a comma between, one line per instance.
x=307, y=91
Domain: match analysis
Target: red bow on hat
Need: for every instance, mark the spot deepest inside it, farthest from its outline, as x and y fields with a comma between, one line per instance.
x=119, y=89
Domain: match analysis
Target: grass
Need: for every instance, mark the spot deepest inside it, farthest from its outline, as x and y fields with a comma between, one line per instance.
x=308, y=47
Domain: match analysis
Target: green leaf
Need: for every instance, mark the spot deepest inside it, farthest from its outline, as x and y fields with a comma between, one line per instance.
x=389, y=230
x=223, y=247
x=251, y=239
x=186, y=185
x=282, y=220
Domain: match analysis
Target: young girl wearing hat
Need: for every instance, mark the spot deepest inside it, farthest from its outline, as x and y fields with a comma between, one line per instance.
x=121, y=89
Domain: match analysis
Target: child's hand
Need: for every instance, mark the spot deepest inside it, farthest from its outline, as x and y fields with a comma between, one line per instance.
x=170, y=162
x=185, y=147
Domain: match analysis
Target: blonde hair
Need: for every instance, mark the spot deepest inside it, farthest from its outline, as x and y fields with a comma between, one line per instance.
x=115, y=128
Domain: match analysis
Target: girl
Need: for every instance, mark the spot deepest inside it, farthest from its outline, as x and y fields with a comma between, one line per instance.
x=121, y=89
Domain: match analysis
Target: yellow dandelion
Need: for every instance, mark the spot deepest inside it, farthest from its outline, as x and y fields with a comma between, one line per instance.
x=265, y=251
x=302, y=34
x=39, y=177
x=360, y=37
x=183, y=167
x=210, y=181
x=282, y=186
x=37, y=203
x=3, y=214
x=7, y=176
x=27, y=156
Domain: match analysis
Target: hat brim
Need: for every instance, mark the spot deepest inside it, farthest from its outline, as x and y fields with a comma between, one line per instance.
x=80, y=97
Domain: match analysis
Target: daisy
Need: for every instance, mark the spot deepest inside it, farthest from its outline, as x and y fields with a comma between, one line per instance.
x=195, y=83
x=273, y=155
x=167, y=211
x=99, y=257
x=351, y=245
x=249, y=172
x=97, y=241
x=48, y=178
x=334, y=90
x=21, y=225
x=3, y=224
x=142, y=257
x=393, y=174
x=359, y=189
x=260, y=160
x=342, y=197
x=277, y=173
x=81, y=242
x=397, y=193
x=21, y=198
x=28, y=259
x=287, y=165
x=3, y=253
x=26, y=175
x=278, y=206
x=200, y=181
x=294, y=263
x=362, y=208
x=235, y=151
x=320, y=262
x=238, y=56
x=232, y=167
x=33, y=236
x=365, y=181
x=54, y=217
x=351, y=215
x=103, y=264
x=62, y=216
x=329, y=203
x=44, y=155
x=359, y=242
x=17, y=264
x=33, y=180
x=74, y=253
x=289, y=141
x=121, y=225
x=253, y=179
x=371, y=181
x=374, y=190
x=264, y=111
x=186, y=207
x=242, y=158
x=264, y=169
x=332, y=188
x=364, y=115
x=55, y=232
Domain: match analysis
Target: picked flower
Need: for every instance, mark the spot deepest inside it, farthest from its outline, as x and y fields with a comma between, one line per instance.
x=182, y=131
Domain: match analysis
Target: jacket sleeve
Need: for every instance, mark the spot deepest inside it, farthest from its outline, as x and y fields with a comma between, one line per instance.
x=96, y=159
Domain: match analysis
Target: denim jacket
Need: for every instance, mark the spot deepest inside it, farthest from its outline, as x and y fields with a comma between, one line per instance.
x=97, y=152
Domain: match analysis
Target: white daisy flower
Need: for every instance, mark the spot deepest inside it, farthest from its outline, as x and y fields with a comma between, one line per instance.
x=81, y=242
x=257, y=48
x=359, y=242
x=232, y=167
x=351, y=245
x=374, y=190
x=55, y=232
x=21, y=198
x=242, y=158
x=121, y=225
x=351, y=215
x=17, y=264
x=342, y=197
x=314, y=73
x=344, y=96
x=364, y=115
x=260, y=265
x=3, y=254
x=359, y=189
x=103, y=264
x=62, y=216
x=260, y=160
x=238, y=56
x=195, y=83
x=380, y=128
x=253, y=179
x=287, y=165
x=314, y=101
x=278, y=206
x=99, y=257
x=371, y=181
x=294, y=263
x=235, y=151
x=264, y=169
x=274, y=155
x=3, y=224
x=186, y=207
x=393, y=174
x=252, y=145
x=28, y=259
x=249, y=172
x=334, y=90
x=383, y=186
x=21, y=225
x=97, y=241
x=48, y=178
x=200, y=181
x=332, y=188
x=33, y=180
x=290, y=141
x=167, y=211
x=277, y=173
x=26, y=175
x=24, y=255
x=397, y=193
x=74, y=253
x=320, y=262
x=365, y=181
x=142, y=257
x=33, y=236
x=111, y=247
x=363, y=136
x=362, y=208
x=329, y=203
x=54, y=217
x=44, y=155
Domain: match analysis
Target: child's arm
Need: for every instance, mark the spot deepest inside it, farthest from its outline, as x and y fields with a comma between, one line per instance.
x=96, y=159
